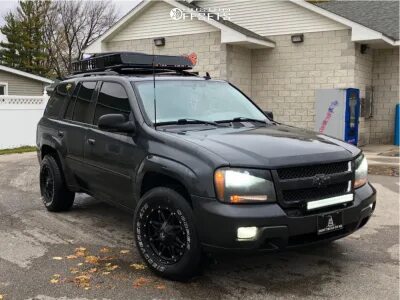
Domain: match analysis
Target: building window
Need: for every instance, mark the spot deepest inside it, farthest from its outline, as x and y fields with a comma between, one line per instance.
x=3, y=88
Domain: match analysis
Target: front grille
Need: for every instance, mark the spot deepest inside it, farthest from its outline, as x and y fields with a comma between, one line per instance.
x=309, y=171
x=298, y=185
x=309, y=194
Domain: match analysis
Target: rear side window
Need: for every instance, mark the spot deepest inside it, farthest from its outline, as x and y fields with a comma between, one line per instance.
x=83, y=100
x=56, y=100
x=71, y=104
x=112, y=100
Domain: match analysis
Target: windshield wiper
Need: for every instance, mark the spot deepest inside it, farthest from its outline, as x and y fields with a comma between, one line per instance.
x=241, y=119
x=190, y=121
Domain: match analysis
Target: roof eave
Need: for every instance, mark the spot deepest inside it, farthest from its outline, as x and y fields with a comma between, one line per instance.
x=229, y=35
x=359, y=33
x=25, y=74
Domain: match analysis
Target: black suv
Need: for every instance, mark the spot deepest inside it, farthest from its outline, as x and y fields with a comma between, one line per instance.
x=201, y=166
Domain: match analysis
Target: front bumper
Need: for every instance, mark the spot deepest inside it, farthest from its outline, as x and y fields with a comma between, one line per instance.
x=217, y=223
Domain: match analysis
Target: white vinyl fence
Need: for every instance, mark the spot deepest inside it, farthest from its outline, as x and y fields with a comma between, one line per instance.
x=19, y=116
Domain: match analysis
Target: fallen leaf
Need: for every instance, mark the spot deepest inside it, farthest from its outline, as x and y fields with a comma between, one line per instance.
x=138, y=266
x=72, y=257
x=112, y=268
x=106, y=273
x=87, y=288
x=82, y=280
x=93, y=270
x=92, y=259
x=74, y=270
x=108, y=264
x=80, y=264
x=57, y=258
x=160, y=286
x=104, y=250
x=55, y=279
x=80, y=251
x=1, y=297
x=141, y=281
x=124, y=251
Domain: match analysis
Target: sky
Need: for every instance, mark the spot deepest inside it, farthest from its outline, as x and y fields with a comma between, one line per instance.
x=123, y=7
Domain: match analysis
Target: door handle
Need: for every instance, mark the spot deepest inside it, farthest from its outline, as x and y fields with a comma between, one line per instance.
x=60, y=133
x=91, y=141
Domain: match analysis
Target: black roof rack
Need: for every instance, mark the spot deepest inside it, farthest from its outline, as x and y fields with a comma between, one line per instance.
x=122, y=62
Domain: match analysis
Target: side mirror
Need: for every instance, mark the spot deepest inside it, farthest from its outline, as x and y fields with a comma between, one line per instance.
x=269, y=114
x=116, y=123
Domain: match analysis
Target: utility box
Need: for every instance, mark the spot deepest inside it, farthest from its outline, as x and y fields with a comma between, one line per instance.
x=337, y=113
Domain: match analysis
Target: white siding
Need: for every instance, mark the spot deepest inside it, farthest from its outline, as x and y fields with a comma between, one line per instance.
x=156, y=22
x=268, y=18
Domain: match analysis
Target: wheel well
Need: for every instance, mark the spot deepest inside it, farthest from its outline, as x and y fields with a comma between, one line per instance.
x=48, y=150
x=153, y=179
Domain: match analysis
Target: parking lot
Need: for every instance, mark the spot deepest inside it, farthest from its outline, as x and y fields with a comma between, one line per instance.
x=88, y=253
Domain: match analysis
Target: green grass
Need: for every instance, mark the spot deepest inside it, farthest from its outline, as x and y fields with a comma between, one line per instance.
x=21, y=149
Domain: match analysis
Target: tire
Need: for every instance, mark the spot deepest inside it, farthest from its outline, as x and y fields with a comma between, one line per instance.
x=55, y=194
x=163, y=218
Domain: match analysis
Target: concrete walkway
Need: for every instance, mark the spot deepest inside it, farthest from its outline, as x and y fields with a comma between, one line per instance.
x=382, y=159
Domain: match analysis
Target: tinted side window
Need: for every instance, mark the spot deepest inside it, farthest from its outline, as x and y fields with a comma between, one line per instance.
x=112, y=100
x=71, y=103
x=83, y=100
x=56, y=100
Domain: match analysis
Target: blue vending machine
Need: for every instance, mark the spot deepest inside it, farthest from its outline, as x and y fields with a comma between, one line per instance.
x=337, y=113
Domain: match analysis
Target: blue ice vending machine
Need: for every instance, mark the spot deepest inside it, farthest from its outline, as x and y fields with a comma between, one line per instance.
x=337, y=113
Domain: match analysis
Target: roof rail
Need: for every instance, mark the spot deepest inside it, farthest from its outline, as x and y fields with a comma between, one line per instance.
x=135, y=61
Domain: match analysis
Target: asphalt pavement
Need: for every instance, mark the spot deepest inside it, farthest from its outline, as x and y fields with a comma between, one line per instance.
x=88, y=253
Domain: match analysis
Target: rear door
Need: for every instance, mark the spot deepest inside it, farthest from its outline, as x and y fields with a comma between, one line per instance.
x=77, y=118
x=112, y=157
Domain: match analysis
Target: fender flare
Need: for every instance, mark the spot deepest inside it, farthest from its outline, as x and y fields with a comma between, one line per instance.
x=57, y=147
x=176, y=170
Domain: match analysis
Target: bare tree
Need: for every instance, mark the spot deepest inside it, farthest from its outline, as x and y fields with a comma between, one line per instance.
x=73, y=25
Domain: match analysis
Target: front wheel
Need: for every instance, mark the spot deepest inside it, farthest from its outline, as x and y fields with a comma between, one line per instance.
x=166, y=235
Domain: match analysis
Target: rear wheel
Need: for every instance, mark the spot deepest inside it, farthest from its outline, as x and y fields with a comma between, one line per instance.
x=55, y=194
x=165, y=234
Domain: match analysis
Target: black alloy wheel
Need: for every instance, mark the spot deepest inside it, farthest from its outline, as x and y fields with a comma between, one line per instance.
x=166, y=235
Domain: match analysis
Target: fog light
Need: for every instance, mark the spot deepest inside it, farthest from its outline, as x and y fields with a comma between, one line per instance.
x=246, y=233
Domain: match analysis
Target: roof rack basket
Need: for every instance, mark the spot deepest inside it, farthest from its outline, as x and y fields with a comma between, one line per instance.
x=131, y=60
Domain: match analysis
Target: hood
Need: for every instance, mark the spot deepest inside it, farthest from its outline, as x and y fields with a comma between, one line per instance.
x=273, y=146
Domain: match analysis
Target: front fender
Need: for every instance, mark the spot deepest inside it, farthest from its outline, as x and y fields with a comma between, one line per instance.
x=176, y=170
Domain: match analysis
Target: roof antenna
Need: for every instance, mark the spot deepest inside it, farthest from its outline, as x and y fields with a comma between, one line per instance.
x=154, y=93
x=207, y=77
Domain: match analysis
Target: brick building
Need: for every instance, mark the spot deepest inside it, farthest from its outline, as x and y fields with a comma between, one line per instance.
x=340, y=44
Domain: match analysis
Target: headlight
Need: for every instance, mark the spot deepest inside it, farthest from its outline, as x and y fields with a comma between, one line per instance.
x=361, y=165
x=244, y=185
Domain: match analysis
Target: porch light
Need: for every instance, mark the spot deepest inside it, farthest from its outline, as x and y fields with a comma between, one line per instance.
x=297, y=38
x=159, y=42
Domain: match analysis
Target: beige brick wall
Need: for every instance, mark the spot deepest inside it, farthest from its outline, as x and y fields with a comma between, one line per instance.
x=285, y=78
x=385, y=80
x=363, y=78
x=211, y=54
x=239, y=68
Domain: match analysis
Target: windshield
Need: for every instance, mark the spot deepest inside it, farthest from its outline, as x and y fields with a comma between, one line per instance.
x=197, y=100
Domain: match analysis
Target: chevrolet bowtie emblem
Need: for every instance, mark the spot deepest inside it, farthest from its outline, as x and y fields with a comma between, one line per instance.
x=321, y=180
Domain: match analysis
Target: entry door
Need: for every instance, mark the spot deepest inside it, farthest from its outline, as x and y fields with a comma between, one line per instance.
x=112, y=157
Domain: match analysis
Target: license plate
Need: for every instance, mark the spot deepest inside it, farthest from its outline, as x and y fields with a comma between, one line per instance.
x=330, y=222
